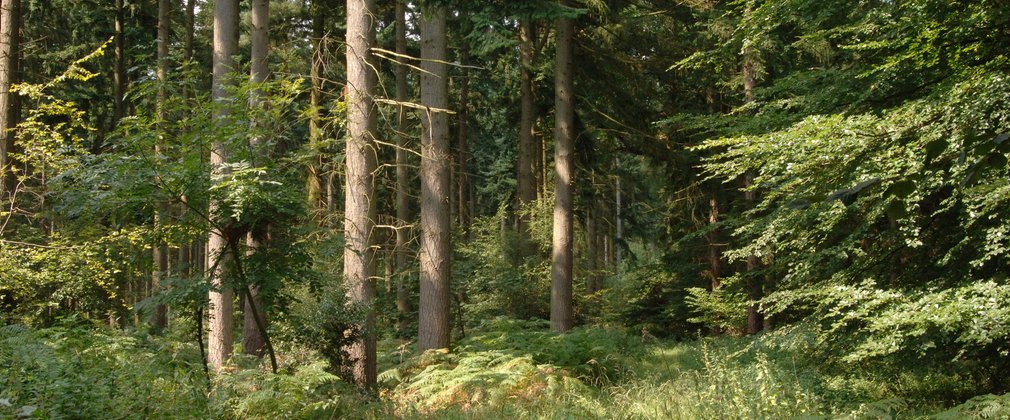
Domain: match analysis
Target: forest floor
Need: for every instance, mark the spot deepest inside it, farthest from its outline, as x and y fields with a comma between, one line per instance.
x=506, y=369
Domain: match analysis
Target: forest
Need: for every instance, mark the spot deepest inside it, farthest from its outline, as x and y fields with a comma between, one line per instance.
x=504, y=209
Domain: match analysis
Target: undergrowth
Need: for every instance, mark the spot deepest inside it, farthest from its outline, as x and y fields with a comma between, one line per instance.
x=506, y=368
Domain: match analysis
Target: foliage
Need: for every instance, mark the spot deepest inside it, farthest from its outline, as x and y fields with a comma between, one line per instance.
x=496, y=276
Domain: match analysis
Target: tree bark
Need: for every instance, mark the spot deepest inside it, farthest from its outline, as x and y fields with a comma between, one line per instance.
x=359, y=207
x=222, y=329
x=254, y=312
x=403, y=217
x=526, y=170
x=436, y=252
x=714, y=250
x=10, y=22
x=562, y=312
x=119, y=66
x=463, y=180
x=159, y=252
x=314, y=179
x=755, y=291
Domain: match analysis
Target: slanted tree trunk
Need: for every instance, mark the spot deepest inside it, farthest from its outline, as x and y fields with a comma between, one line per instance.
x=436, y=252
x=253, y=341
x=221, y=337
x=159, y=252
x=562, y=311
x=10, y=22
x=359, y=207
x=314, y=180
x=403, y=217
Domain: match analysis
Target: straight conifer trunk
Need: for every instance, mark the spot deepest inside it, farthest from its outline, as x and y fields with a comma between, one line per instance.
x=402, y=181
x=159, y=252
x=253, y=341
x=119, y=66
x=462, y=145
x=9, y=24
x=314, y=176
x=562, y=312
x=221, y=337
x=359, y=207
x=526, y=171
x=755, y=291
x=433, y=322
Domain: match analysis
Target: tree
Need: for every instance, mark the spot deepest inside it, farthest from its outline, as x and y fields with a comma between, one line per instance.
x=314, y=177
x=562, y=312
x=159, y=252
x=359, y=207
x=526, y=169
x=402, y=178
x=9, y=24
x=253, y=341
x=436, y=251
x=221, y=336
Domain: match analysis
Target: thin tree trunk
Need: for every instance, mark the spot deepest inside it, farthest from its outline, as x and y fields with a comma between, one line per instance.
x=592, y=249
x=755, y=291
x=314, y=179
x=254, y=312
x=463, y=196
x=562, y=311
x=526, y=176
x=403, y=306
x=222, y=329
x=714, y=250
x=359, y=208
x=618, y=220
x=119, y=66
x=10, y=21
x=159, y=252
x=187, y=52
x=436, y=252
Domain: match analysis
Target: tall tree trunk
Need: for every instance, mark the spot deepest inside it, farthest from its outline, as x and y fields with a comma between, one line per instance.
x=253, y=341
x=222, y=329
x=119, y=66
x=10, y=23
x=463, y=180
x=562, y=312
x=159, y=252
x=526, y=175
x=359, y=207
x=755, y=291
x=314, y=180
x=187, y=42
x=436, y=252
x=402, y=181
